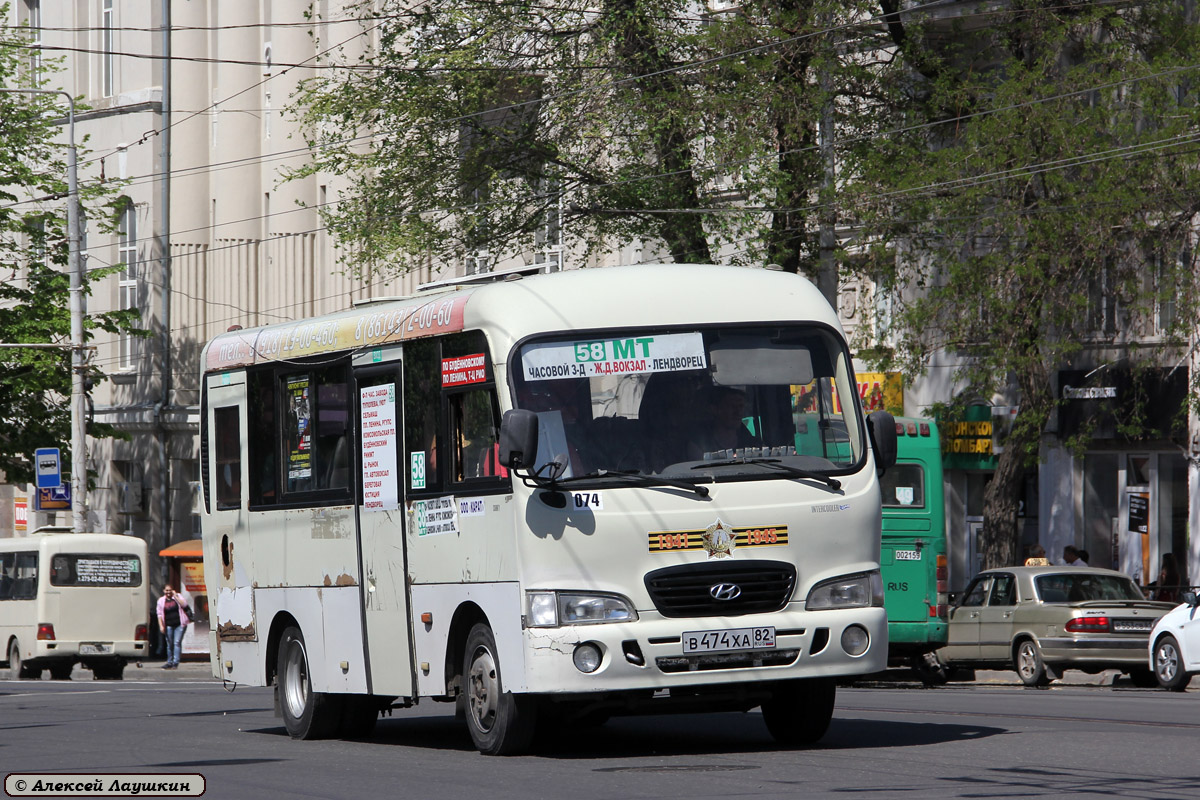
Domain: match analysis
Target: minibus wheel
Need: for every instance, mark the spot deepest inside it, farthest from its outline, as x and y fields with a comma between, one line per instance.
x=306, y=714
x=799, y=711
x=14, y=661
x=501, y=723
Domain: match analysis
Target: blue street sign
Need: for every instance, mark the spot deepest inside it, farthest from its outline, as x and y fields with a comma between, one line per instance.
x=56, y=499
x=48, y=468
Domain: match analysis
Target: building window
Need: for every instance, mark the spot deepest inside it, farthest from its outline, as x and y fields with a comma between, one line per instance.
x=107, y=66
x=128, y=283
x=33, y=16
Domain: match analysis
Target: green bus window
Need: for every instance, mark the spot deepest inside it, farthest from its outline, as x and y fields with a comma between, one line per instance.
x=903, y=486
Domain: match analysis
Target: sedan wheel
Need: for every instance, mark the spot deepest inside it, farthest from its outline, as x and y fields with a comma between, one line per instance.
x=1168, y=665
x=1029, y=664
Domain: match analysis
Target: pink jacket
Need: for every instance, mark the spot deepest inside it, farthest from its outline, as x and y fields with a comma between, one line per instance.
x=183, y=618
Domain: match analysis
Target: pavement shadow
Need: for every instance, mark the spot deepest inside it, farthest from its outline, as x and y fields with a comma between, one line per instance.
x=669, y=735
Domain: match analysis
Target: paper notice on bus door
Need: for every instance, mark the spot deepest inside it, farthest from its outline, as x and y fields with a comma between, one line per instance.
x=381, y=488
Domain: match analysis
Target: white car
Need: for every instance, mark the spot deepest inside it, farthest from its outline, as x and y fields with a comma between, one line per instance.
x=1175, y=645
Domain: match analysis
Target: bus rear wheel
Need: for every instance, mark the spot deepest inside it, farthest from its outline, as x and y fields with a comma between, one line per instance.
x=18, y=669
x=501, y=723
x=798, y=712
x=306, y=714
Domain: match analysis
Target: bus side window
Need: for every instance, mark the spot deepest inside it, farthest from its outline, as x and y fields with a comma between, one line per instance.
x=8, y=573
x=422, y=415
x=316, y=425
x=25, y=577
x=228, y=460
x=475, y=428
x=263, y=439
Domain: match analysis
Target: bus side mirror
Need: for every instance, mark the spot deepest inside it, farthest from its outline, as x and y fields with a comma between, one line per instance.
x=518, y=438
x=882, y=428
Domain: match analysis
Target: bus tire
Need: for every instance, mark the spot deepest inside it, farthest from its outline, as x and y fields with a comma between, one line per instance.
x=1028, y=662
x=306, y=714
x=501, y=723
x=14, y=660
x=798, y=712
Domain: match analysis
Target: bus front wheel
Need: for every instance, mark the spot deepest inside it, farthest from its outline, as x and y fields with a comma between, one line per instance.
x=799, y=711
x=306, y=714
x=501, y=723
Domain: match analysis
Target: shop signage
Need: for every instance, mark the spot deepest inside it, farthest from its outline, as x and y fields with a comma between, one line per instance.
x=20, y=513
x=881, y=391
x=967, y=442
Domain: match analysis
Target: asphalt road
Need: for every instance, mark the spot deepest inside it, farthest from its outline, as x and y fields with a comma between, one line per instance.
x=989, y=739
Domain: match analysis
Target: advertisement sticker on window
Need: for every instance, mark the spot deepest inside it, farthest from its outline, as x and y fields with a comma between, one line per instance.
x=463, y=370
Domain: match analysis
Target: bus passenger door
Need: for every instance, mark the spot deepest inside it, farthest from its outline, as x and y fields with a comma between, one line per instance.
x=380, y=512
x=229, y=548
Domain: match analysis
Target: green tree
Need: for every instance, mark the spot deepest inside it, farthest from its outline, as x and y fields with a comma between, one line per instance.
x=626, y=119
x=35, y=384
x=1039, y=197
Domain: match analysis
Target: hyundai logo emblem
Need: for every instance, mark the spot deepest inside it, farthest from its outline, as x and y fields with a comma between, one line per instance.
x=725, y=591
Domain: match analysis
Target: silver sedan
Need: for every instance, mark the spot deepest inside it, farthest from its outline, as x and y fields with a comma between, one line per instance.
x=1042, y=620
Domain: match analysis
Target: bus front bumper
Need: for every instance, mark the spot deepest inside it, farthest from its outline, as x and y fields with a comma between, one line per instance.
x=649, y=653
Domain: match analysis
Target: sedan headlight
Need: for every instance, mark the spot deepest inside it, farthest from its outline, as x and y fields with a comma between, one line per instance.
x=848, y=591
x=551, y=609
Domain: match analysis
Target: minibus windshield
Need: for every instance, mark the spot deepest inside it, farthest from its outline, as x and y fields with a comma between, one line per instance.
x=701, y=403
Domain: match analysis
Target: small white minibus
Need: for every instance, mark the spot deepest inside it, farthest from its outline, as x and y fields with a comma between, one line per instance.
x=547, y=499
x=68, y=598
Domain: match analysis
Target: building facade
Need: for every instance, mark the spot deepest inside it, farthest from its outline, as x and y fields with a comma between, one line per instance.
x=186, y=113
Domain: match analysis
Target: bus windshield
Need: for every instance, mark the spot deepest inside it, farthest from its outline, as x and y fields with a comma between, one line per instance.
x=699, y=403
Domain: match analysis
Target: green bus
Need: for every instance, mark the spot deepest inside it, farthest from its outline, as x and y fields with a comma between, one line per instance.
x=913, y=558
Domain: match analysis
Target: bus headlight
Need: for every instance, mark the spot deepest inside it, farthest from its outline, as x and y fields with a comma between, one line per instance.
x=551, y=609
x=848, y=591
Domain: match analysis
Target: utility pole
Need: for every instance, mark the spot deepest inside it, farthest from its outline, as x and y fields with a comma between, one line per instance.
x=78, y=308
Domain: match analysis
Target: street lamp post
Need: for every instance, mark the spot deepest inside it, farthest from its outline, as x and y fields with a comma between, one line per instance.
x=77, y=308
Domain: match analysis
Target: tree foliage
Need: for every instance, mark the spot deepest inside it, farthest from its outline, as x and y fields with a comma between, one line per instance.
x=1037, y=200
x=615, y=121
x=35, y=384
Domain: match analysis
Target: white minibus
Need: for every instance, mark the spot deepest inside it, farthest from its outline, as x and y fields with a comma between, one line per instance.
x=547, y=499
x=68, y=598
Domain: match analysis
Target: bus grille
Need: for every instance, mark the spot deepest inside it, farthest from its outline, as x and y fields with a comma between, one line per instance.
x=687, y=591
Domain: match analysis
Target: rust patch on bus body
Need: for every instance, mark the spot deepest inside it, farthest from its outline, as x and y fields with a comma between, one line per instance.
x=342, y=580
x=228, y=632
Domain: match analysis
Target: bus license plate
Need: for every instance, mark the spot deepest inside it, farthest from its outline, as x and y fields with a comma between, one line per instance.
x=908, y=555
x=94, y=649
x=760, y=638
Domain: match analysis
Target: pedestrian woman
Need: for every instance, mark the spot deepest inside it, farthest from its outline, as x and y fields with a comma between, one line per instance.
x=173, y=618
x=1166, y=588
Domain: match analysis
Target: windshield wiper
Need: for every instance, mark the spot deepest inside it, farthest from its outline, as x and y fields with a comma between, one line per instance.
x=775, y=463
x=636, y=478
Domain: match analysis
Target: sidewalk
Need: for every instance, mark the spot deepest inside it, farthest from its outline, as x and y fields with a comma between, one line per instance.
x=151, y=670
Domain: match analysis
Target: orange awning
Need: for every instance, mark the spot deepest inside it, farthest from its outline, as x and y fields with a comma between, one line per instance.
x=188, y=549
